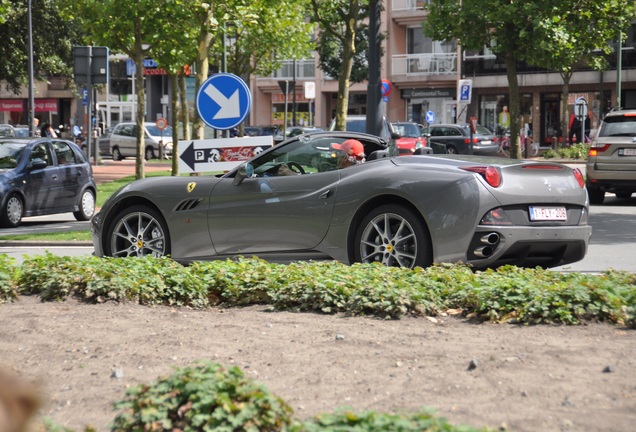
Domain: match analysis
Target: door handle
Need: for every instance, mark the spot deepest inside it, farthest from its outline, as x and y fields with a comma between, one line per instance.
x=54, y=176
x=324, y=195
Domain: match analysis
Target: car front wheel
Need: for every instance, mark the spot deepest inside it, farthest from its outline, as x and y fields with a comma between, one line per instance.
x=138, y=231
x=12, y=212
x=395, y=236
x=86, y=206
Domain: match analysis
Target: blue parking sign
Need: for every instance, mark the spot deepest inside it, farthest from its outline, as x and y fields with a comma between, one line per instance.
x=464, y=88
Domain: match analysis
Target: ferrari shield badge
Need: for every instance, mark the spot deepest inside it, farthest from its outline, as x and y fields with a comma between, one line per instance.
x=191, y=186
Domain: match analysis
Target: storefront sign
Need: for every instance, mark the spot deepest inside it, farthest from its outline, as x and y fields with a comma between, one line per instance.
x=18, y=105
x=428, y=93
x=9, y=105
x=49, y=105
x=280, y=98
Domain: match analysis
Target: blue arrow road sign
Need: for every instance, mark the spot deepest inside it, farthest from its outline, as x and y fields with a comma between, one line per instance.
x=430, y=117
x=223, y=101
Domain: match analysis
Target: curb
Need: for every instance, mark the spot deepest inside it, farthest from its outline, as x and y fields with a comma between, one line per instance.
x=34, y=243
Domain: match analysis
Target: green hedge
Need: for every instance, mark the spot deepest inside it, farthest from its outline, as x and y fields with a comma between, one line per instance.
x=511, y=294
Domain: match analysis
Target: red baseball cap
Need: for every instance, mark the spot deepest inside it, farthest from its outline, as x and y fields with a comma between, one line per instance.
x=352, y=147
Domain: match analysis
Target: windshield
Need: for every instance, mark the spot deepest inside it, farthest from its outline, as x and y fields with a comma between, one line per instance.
x=407, y=130
x=154, y=131
x=10, y=153
x=618, y=126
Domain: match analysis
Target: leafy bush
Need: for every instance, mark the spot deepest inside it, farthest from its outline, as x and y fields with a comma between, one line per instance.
x=8, y=290
x=143, y=280
x=204, y=397
x=370, y=421
x=578, y=151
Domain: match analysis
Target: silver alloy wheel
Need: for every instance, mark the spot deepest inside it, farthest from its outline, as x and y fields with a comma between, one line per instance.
x=138, y=234
x=390, y=239
x=14, y=210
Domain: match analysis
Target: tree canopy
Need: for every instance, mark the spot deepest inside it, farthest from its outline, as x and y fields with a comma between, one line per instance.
x=341, y=20
x=529, y=31
x=53, y=41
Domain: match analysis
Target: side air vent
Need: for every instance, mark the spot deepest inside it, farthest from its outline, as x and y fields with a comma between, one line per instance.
x=188, y=204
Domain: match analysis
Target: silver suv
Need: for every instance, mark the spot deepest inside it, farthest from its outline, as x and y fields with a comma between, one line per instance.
x=611, y=162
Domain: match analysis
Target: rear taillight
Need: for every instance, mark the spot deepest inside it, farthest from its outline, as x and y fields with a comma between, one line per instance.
x=489, y=173
x=578, y=175
x=595, y=149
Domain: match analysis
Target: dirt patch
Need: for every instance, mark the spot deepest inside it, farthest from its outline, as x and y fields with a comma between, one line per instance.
x=539, y=378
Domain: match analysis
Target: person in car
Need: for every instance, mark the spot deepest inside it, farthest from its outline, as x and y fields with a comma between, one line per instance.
x=353, y=153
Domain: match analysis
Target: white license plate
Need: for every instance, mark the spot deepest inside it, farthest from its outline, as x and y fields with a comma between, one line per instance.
x=486, y=142
x=548, y=214
x=629, y=152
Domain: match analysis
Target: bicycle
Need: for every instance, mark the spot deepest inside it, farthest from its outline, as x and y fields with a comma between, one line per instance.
x=504, y=145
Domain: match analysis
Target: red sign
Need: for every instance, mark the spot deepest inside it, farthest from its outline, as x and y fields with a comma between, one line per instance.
x=280, y=98
x=46, y=105
x=161, y=123
x=11, y=105
x=41, y=105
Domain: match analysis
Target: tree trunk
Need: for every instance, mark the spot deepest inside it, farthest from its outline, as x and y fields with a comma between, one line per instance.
x=565, y=92
x=141, y=101
x=174, y=106
x=185, y=109
x=348, y=52
x=203, y=68
x=515, y=111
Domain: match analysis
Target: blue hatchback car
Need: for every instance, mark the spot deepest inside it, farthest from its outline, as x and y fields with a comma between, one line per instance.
x=40, y=176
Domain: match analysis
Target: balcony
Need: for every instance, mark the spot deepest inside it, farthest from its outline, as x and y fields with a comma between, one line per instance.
x=409, y=12
x=424, y=64
x=305, y=70
x=409, y=5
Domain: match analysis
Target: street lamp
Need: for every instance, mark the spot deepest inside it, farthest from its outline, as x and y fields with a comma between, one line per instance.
x=31, y=103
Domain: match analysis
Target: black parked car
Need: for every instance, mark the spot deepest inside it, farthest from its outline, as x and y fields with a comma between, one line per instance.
x=41, y=176
x=457, y=139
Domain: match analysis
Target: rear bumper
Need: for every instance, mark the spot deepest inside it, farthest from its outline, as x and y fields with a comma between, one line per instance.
x=531, y=246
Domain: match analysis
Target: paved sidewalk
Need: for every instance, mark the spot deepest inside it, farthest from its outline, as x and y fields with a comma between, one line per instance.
x=109, y=170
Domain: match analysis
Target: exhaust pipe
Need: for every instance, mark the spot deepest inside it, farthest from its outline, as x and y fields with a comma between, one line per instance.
x=484, y=251
x=490, y=239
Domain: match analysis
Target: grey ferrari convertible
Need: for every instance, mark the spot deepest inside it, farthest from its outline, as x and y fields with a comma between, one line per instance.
x=348, y=197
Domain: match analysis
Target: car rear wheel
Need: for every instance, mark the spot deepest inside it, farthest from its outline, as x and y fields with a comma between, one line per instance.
x=117, y=154
x=150, y=153
x=138, y=231
x=451, y=150
x=395, y=236
x=596, y=195
x=12, y=212
x=86, y=206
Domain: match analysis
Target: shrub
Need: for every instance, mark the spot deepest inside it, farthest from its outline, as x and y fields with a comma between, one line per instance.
x=8, y=291
x=370, y=421
x=577, y=151
x=204, y=397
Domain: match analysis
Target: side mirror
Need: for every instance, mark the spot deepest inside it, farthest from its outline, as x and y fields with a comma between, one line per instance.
x=244, y=171
x=395, y=135
x=38, y=163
